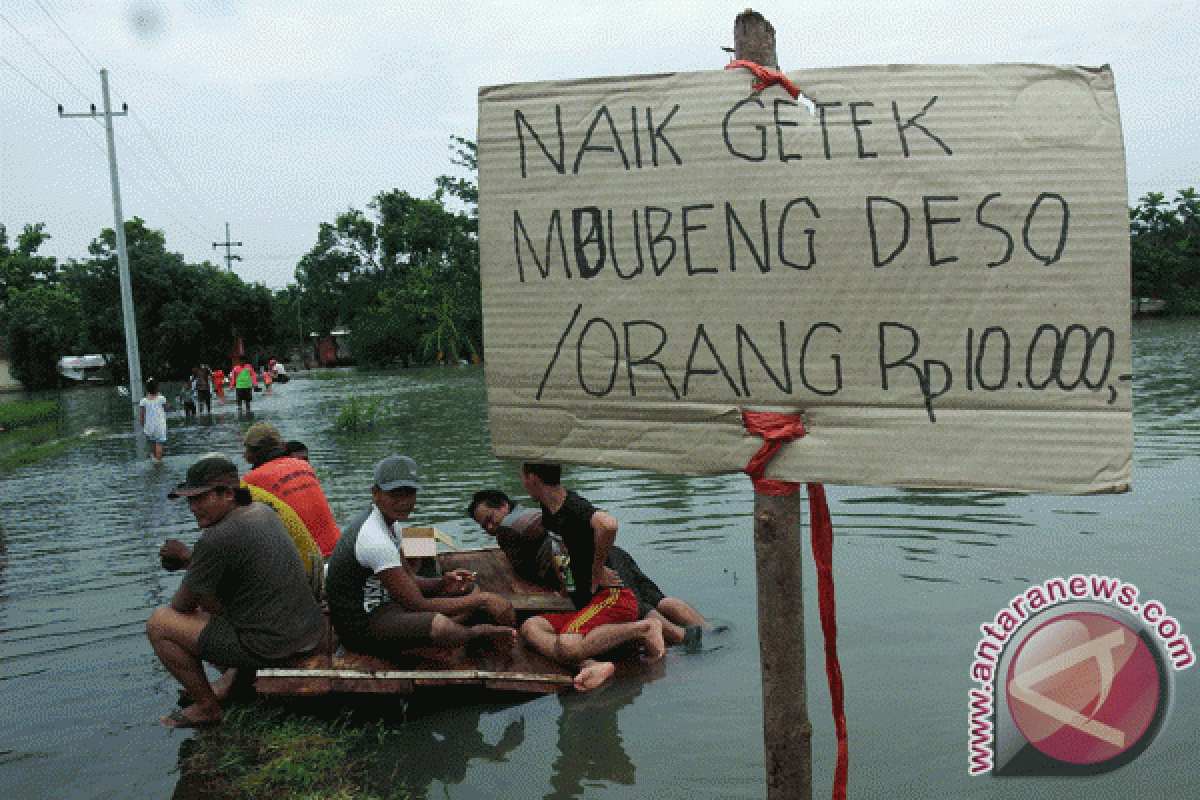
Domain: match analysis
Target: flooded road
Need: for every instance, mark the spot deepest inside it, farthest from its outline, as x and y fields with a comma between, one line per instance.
x=917, y=573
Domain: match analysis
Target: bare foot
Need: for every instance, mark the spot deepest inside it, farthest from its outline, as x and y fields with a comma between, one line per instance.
x=592, y=674
x=502, y=636
x=652, y=639
x=194, y=716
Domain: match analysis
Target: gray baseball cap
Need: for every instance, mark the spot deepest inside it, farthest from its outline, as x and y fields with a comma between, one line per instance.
x=396, y=472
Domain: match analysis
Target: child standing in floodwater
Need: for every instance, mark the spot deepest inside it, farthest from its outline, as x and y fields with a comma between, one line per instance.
x=152, y=414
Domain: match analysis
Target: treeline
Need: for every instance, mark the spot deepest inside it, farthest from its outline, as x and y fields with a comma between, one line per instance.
x=1164, y=241
x=403, y=277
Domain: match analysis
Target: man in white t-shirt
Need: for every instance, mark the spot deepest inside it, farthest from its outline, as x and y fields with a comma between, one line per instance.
x=378, y=606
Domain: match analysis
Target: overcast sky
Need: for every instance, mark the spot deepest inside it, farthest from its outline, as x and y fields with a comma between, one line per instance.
x=276, y=115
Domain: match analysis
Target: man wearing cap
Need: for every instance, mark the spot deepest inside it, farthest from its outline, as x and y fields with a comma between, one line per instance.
x=291, y=480
x=244, y=601
x=369, y=561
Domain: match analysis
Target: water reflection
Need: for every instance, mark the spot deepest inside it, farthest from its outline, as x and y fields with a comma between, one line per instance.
x=589, y=741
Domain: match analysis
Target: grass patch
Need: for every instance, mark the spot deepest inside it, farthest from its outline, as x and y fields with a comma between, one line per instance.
x=259, y=753
x=31, y=432
x=357, y=414
x=22, y=414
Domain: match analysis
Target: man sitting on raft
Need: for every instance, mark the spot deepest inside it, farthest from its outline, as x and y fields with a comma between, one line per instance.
x=245, y=601
x=531, y=551
x=415, y=611
x=607, y=613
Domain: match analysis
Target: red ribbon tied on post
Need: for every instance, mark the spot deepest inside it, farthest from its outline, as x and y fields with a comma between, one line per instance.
x=777, y=430
x=766, y=77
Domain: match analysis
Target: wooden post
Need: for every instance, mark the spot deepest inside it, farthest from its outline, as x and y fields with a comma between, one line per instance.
x=778, y=555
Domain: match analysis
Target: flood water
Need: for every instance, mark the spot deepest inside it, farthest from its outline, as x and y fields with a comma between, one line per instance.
x=917, y=573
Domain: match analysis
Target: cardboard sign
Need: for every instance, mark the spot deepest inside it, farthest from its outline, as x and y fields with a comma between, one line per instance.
x=930, y=263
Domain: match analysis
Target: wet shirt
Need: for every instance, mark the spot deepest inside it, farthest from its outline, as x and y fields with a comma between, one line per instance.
x=573, y=523
x=352, y=588
x=294, y=482
x=244, y=377
x=248, y=563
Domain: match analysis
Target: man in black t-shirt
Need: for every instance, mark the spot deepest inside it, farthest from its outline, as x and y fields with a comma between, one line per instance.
x=606, y=613
x=535, y=557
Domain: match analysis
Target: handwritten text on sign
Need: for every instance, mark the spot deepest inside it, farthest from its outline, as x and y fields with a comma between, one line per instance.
x=926, y=239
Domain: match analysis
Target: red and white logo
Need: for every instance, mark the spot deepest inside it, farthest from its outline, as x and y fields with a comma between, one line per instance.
x=1083, y=688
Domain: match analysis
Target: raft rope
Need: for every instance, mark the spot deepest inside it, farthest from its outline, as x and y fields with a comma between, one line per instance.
x=777, y=430
x=766, y=77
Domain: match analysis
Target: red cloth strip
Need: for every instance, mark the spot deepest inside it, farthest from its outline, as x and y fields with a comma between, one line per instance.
x=766, y=77
x=777, y=430
x=821, y=526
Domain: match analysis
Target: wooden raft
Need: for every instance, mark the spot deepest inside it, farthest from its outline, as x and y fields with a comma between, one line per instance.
x=333, y=669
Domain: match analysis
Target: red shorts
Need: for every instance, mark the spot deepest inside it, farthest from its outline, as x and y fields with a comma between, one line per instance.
x=608, y=607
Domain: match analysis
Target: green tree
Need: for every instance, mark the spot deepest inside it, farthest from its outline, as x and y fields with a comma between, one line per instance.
x=403, y=275
x=44, y=324
x=39, y=318
x=1165, y=249
x=186, y=314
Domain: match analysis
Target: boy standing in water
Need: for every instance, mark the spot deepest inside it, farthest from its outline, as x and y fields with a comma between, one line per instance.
x=152, y=415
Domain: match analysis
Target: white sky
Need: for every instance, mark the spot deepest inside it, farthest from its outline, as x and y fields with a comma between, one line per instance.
x=276, y=115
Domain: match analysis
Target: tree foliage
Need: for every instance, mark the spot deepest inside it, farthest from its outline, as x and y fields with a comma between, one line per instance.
x=186, y=313
x=403, y=275
x=1164, y=242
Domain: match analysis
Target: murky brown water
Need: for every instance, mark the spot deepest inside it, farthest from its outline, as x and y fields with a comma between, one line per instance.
x=917, y=573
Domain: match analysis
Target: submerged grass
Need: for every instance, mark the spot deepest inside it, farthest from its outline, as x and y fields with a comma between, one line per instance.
x=357, y=414
x=31, y=432
x=260, y=753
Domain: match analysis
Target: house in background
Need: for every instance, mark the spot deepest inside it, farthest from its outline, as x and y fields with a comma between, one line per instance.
x=7, y=382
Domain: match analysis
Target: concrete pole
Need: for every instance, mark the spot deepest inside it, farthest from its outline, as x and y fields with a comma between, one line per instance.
x=131, y=340
x=778, y=554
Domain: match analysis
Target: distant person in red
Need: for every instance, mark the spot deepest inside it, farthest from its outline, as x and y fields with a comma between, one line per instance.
x=243, y=380
x=291, y=480
x=218, y=382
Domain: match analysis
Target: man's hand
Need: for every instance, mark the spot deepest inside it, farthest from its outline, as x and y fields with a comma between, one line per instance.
x=609, y=578
x=174, y=555
x=499, y=609
x=457, y=582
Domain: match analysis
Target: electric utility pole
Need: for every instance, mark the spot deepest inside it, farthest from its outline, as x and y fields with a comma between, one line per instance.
x=228, y=245
x=131, y=340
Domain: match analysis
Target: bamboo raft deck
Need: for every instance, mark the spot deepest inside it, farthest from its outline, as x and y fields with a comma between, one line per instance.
x=334, y=670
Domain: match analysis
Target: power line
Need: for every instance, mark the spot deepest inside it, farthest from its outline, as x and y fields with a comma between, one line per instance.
x=51, y=64
x=61, y=30
x=28, y=79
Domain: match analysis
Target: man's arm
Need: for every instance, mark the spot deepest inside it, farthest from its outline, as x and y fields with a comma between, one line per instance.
x=604, y=528
x=405, y=592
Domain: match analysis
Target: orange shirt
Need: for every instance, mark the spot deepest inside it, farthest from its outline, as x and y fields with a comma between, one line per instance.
x=294, y=482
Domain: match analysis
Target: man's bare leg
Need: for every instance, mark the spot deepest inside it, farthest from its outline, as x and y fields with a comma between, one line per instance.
x=576, y=648
x=672, y=633
x=448, y=633
x=175, y=638
x=680, y=613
